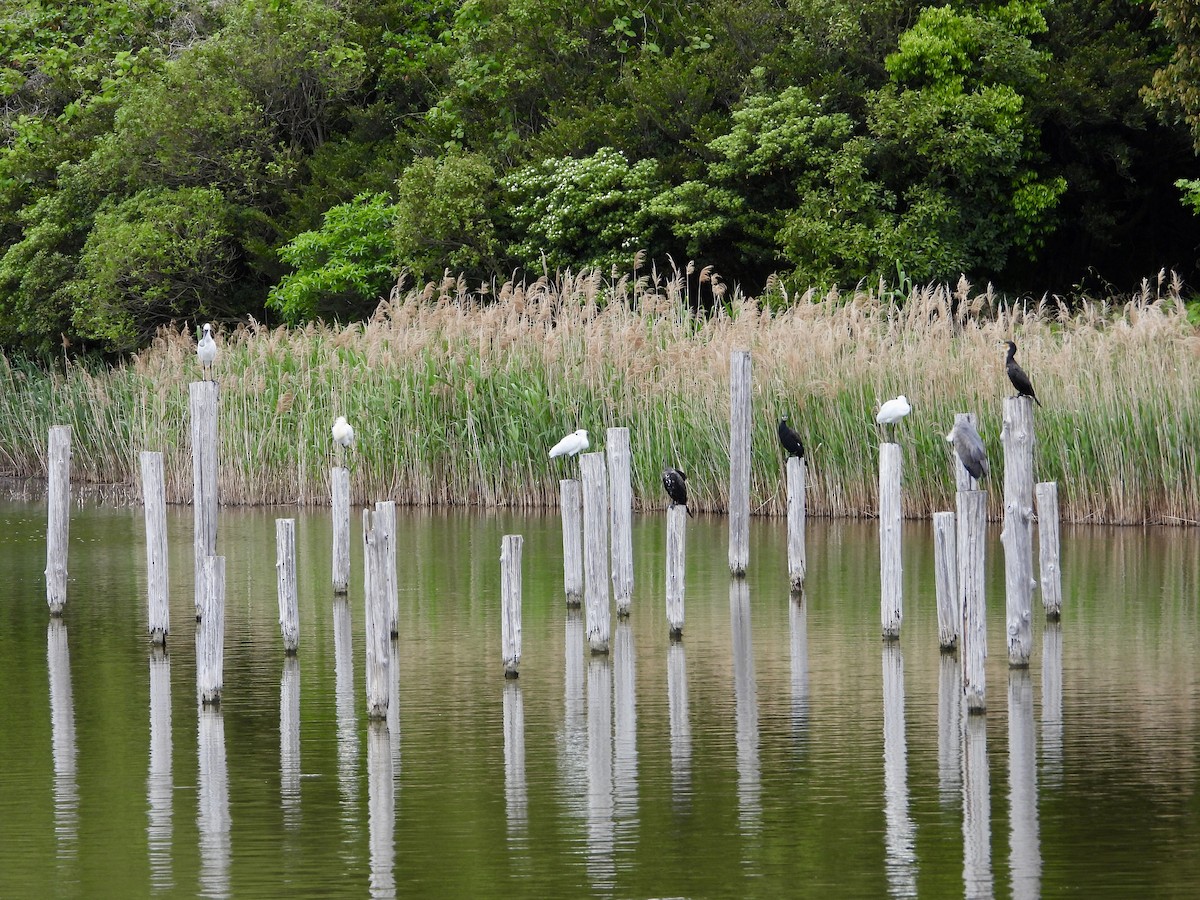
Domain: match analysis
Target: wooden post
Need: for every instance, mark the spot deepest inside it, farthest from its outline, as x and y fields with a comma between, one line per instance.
x=972, y=531
x=385, y=524
x=202, y=401
x=676, y=567
x=339, y=482
x=571, y=507
x=375, y=582
x=58, y=517
x=154, y=502
x=945, y=569
x=285, y=579
x=1017, y=535
x=962, y=478
x=595, y=549
x=620, y=484
x=210, y=633
x=797, y=561
x=510, y=602
x=739, y=461
x=1049, y=566
x=891, y=572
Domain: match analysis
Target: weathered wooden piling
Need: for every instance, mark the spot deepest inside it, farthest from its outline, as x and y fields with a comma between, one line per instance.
x=571, y=507
x=891, y=572
x=285, y=579
x=510, y=602
x=620, y=486
x=595, y=550
x=58, y=523
x=202, y=402
x=385, y=523
x=339, y=484
x=1017, y=534
x=797, y=559
x=375, y=584
x=1049, y=565
x=154, y=502
x=945, y=571
x=210, y=633
x=740, y=388
x=971, y=540
x=962, y=478
x=676, y=567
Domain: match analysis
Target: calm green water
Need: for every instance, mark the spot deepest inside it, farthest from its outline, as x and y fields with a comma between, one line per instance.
x=780, y=749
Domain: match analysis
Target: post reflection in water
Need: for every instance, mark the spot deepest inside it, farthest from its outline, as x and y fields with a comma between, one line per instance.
x=381, y=809
x=977, y=811
x=600, y=828
x=212, y=811
x=516, y=803
x=901, y=853
x=159, y=786
x=745, y=693
x=289, y=741
x=63, y=745
x=347, y=726
x=681, y=725
x=798, y=621
x=625, y=755
x=950, y=725
x=572, y=740
x=1025, y=855
x=393, y=712
x=1052, y=703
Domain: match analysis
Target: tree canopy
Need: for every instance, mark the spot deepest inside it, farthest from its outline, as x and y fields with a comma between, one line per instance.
x=170, y=160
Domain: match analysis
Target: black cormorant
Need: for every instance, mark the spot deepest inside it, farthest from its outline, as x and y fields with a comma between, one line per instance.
x=676, y=484
x=790, y=440
x=1017, y=375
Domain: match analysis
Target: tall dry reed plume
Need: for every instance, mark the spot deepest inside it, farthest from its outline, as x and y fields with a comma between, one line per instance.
x=456, y=396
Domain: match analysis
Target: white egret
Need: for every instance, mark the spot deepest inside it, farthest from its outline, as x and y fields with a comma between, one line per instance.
x=575, y=442
x=969, y=447
x=343, y=435
x=206, y=350
x=891, y=413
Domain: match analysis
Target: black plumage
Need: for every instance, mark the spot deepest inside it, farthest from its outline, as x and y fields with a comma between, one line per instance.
x=1017, y=375
x=790, y=440
x=676, y=484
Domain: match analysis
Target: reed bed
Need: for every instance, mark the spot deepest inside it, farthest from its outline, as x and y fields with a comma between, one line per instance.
x=456, y=396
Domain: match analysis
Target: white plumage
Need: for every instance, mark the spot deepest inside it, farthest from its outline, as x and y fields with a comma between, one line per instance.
x=343, y=432
x=575, y=442
x=893, y=411
x=206, y=350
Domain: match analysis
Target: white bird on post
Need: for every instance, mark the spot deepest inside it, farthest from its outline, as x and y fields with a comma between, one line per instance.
x=206, y=350
x=891, y=413
x=573, y=443
x=343, y=435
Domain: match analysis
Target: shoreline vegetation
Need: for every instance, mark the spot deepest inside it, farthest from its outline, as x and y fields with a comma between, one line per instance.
x=456, y=396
